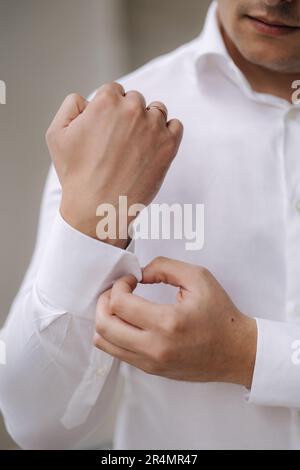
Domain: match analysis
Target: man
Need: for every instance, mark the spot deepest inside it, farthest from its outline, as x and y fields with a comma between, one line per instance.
x=217, y=367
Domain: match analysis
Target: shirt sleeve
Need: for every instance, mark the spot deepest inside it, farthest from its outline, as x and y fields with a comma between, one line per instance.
x=276, y=380
x=56, y=387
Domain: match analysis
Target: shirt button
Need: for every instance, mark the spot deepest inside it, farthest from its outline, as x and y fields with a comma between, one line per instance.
x=101, y=371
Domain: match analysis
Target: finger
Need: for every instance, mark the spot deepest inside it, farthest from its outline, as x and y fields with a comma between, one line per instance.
x=106, y=98
x=104, y=299
x=110, y=88
x=159, y=109
x=115, y=330
x=124, y=285
x=176, y=128
x=169, y=271
x=133, y=309
x=133, y=359
x=136, y=97
x=115, y=351
x=71, y=108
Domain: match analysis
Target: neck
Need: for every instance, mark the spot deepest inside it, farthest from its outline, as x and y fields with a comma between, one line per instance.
x=261, y=79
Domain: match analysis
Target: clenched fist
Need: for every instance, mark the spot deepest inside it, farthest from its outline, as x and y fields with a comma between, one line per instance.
x=109, y=147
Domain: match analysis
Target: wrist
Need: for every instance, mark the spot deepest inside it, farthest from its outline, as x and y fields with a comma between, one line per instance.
x=83, y=220
x=239, y=351
x=246, y=347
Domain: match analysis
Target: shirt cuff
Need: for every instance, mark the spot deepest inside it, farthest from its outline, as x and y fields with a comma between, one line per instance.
x=75, y=269
x=276, y=380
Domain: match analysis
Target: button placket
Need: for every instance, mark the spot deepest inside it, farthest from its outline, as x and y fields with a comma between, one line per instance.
x=292, y=169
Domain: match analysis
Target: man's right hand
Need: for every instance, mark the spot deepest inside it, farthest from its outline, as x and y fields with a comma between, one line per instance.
x=109, y=147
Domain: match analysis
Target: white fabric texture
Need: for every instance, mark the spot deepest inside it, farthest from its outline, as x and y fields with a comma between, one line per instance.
x=240, y=158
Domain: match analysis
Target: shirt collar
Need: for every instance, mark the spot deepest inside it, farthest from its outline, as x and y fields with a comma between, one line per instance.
x=210, y=41
x=210, y=45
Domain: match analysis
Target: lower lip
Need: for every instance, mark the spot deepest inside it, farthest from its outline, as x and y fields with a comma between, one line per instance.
x=271, y=30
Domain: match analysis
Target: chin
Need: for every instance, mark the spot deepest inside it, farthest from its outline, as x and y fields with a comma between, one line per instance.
x=276, y=62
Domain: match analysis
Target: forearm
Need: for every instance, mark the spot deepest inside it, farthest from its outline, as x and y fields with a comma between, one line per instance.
x=51, y=361
x=48, y=335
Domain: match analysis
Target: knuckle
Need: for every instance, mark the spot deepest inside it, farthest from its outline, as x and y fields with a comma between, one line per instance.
x=106, y=96
x=99, y=343
x=157, y=265
x=104, y=99
x=101, y=327
x=136, y=95
x=158, y=261
x=116, y=302
x=161, y=354
x=50, y=135
x=179, y=125
x=72, y=97
x=117, y=86
x=171, y=145
x=105, y=88
x=139, y=94
x=203, y=272
x=96, y=340
x=172, y=324
x=133, y=109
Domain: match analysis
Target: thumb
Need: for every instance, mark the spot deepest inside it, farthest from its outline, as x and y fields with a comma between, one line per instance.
x=169, y=271
x=71, y=108
x=176, y=129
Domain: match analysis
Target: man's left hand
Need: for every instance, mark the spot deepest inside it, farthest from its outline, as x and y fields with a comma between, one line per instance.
x=201, y=338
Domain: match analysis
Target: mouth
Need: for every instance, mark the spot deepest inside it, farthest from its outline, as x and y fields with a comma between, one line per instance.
x=271, y=27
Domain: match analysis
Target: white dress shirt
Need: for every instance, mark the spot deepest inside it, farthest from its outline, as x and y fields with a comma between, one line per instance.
x=240, y=158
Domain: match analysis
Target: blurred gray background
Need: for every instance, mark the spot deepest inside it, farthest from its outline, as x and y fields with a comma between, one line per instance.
x=49, y=48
